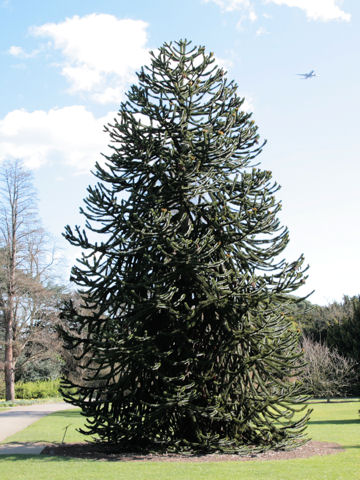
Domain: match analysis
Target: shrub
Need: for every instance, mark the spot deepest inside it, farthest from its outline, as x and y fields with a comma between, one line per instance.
x=44, y=389
x=38, y=370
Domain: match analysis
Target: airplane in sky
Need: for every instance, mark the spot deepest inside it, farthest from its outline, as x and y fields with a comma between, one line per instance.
x=305, y=76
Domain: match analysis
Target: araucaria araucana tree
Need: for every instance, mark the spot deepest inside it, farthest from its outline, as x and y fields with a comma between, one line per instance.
x=182, y=334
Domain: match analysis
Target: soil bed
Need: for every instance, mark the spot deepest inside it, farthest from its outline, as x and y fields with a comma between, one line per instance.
x=103, y=452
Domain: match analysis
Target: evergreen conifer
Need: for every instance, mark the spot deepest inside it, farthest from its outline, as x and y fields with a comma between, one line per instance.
x=182, y=334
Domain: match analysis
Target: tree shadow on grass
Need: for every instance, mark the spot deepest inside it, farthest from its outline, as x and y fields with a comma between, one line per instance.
x=334, y=422
x=66, y=413
x=41, y=458
x=333, y=400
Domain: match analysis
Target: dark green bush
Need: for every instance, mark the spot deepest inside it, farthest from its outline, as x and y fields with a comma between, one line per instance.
x=38, y=370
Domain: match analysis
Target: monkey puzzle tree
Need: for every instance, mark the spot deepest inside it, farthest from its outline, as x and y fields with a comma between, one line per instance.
x=182, y=335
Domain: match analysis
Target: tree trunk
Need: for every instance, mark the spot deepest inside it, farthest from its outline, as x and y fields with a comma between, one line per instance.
x=9, y=337
x=9, y=327
x=9, y=340
x=9, y=361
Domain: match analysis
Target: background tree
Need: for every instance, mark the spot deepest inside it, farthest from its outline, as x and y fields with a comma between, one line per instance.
x=336, y=327
x=27, y=298
x=182, y=328
x=327, y=374
x=37, y=345
x=343, y=329
x=311, y=319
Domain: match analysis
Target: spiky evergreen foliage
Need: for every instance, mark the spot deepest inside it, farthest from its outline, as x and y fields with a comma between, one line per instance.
x=182, y=332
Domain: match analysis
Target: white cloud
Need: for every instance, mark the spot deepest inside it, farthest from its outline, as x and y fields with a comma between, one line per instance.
x=69, y=135
x=230, y=5
x=15, y=51
x=109, y=95
x=244, y=6
x=324, y=10
x=19, y=52
x=82, y=78
x=261, y=31
x=248, y=105
x=100, y=52
x=223, y=63
x=252, y=16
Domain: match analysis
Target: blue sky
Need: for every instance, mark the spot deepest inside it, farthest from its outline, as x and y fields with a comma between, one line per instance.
x=65, y=66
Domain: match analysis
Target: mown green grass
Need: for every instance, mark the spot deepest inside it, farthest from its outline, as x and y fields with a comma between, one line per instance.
x=51, y=429
x=335, y=422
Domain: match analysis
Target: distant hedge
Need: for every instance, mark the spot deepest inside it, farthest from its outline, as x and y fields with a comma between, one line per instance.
x=41, y=389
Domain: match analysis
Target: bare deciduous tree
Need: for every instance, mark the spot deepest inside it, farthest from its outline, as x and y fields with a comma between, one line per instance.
x=27, y=303
x=327, y=374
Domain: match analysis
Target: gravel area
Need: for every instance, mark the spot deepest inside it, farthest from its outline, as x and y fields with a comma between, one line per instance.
x=101, y=452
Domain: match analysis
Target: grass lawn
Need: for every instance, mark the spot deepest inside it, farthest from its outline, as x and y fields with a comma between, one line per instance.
x=333, y=422
x=51, y=429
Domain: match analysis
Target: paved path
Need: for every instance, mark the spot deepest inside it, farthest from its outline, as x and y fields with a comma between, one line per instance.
x=18, y=418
